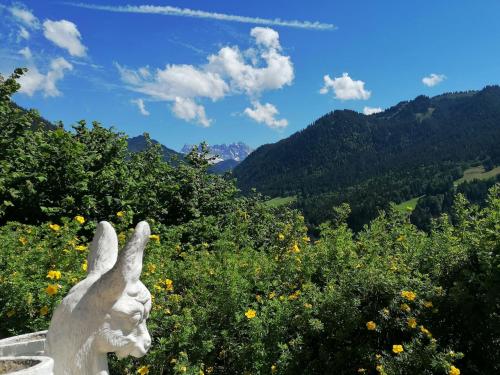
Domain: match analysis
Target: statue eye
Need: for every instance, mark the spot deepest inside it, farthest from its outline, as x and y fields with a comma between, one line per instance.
x=136, y=318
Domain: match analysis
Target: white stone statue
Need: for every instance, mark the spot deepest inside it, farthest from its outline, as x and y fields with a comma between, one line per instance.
x=106, y=312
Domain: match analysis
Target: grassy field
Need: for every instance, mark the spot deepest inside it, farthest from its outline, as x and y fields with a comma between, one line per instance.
x=477, y=173
x=280, y=201
x=470, y=174
x=408, y=205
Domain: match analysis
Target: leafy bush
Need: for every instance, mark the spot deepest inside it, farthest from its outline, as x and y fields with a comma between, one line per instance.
x=238, y=286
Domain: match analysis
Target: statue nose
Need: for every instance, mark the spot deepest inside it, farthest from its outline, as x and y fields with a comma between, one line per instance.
x=147, y=341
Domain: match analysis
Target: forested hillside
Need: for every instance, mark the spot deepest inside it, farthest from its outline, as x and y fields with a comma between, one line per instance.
x=414, y=148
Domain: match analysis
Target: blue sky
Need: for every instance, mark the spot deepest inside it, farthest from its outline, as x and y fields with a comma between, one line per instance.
x=227, y=71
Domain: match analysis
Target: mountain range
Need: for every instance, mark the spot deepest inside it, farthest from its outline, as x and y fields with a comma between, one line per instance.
x=413, y=148
x=227, y=157
x=234, y=151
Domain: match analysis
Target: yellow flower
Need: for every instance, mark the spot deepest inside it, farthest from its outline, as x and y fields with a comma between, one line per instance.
x=80, y=248
x=454, y=371
x=405, y=307
x=143, y=370
x=308, y=305
x=272, y=295
x=306, y=239
x=294, y=295
x=52, y=289
x=250, y=314
x=23, y=241
x=44, y=310
x=409, y=295
x=401, y=238
x=84, y=265
x=412, y=322
x=169, y=285
x=281, y=236
x=274, y=368
x=176, y=298
x=425, y=331
x=80, y=219
x=371, y=326
x=158, y=287
x=386, y=311
x=54, y=275
x=122, y=237
x=379, y=368
x=295, y=248
x=120, y=214
x=151, y=268
x=155, y=237
x=396, y=349
x=428, y=304
x=183, y=369
x=55, y=227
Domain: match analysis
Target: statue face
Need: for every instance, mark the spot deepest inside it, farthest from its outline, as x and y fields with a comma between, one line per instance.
x=107, y=311
x=124, y=330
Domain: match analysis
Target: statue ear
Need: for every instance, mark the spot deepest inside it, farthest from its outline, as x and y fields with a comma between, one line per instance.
x=129, y=265
x=103, y=249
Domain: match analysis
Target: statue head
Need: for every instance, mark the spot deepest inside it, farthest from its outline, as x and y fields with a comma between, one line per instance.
x=107, y=311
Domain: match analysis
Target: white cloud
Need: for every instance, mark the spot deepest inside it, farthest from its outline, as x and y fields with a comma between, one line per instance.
x=34, y=81
x=251, y=78
x=31, y=81
x=433, y=79
x=345, y=88
x=185, y=12
x=228, y=72
x=64, y=34
x=176, y=81
x=142, y=107
x=23, y=33
x=371, y=110
x=186, y=109
x=265, y=113
x=25, y=17
x=266, y=37
x=26, y=53
x=144, y=72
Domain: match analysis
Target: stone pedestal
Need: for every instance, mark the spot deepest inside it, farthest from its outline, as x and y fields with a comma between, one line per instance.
x=26, y=365
x=30, y=344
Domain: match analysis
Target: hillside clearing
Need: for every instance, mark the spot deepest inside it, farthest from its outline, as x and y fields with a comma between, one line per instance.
x=408, y=205
x=477, y=173
x=281, y=201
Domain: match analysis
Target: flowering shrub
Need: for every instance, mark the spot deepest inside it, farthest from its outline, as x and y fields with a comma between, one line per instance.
x=228, y=300
x=238, y=287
